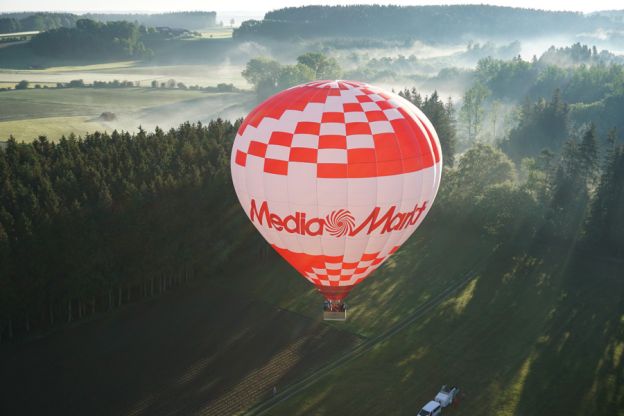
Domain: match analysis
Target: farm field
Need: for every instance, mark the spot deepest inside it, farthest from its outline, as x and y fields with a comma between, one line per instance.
x=217, y=33
x=26, y=114
x=204, y=75
x=524, y=326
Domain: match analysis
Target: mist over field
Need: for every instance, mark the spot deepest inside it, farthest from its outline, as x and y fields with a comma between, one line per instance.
x=132, y=282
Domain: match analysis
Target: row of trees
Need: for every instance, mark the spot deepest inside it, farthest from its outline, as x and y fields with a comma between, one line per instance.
x=576, y=195
x=516, y=78
x=441, y=115
x=89, y=224
x=26, y=22
x=171, y=83
x=268, y=76
x=428, y=23
x=22, y=22
x=554, y=101
x=94, y=39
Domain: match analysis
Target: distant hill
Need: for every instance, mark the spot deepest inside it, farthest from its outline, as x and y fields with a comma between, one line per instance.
x=178, y=20
x=20, y=22
x=429, y=23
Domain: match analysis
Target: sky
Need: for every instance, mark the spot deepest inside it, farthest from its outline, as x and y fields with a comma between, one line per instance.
x=257, y=7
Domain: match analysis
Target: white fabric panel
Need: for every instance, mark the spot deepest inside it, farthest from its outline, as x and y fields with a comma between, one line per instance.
x=370, y=106
x=332, y=156
x=333, y=128
x=378, y=127
x=275, y=151
x=360, y=141
x=355, y=116
x=302, y=184
x=309, y=141
x=275, y=188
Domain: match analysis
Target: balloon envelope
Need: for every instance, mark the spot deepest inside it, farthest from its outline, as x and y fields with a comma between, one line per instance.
x=336, y=175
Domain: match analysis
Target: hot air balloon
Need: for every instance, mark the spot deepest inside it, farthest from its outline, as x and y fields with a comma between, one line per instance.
x=336, y=175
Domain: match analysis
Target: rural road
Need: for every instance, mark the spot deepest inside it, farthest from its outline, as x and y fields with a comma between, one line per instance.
x=302, y=384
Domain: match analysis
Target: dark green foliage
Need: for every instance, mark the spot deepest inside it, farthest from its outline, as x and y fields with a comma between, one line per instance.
x=269, y=76
x=14, y=22
x=543, y=125
x=81, y=220
x=606, y=113
x=428, y=23
x=93, y=39
x=195, y=20
x=605, y=225
x=441, y=116
x=585, y=83
x=9, y=25
x=571, y=185
x=22, y=85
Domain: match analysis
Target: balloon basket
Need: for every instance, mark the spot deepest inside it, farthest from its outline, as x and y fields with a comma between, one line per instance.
x=334, y=311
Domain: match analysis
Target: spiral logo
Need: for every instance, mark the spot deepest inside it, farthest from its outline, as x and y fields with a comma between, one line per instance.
x=339, y=223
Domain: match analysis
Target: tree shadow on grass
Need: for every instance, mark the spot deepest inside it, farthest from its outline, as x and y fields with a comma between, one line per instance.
x=178, y=355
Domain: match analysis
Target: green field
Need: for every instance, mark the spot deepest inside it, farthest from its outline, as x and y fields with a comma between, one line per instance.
x=527, y=329
x=217, y=33
x=26, y=114
x=202, y=74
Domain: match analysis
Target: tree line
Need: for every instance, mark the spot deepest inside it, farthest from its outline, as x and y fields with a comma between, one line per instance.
x=94, y=39
x=89, y=224
x=24, y=22
x=427, y=23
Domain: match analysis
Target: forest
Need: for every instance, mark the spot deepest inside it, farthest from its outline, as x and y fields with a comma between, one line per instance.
x=23, y=22
x=113, y=40
x=427, y=23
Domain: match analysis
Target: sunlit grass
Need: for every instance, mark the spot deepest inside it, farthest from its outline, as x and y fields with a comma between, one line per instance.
x=89, y=67
x=52, y=127
x=217, y=33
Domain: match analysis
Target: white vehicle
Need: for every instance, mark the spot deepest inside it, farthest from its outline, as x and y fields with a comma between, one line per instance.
x=446, y=395
x=432, y=408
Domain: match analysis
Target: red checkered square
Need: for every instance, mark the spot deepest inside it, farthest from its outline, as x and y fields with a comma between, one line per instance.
x=358, y=128
x=348, y=107
x=333, y=117
x=376, y=116
x=308, y=127
x=278, y=167
x=303, y=154
x=257, y=149
x=281, y=138
x=332, y=141
x=241, y=158
x=332, y=170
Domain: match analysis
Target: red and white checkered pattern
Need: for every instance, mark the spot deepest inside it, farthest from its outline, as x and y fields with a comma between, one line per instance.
x=336, y=146
x=332, y=273
x=343, y=129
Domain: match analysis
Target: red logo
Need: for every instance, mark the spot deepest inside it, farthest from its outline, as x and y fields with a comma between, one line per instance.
x=338, y=223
